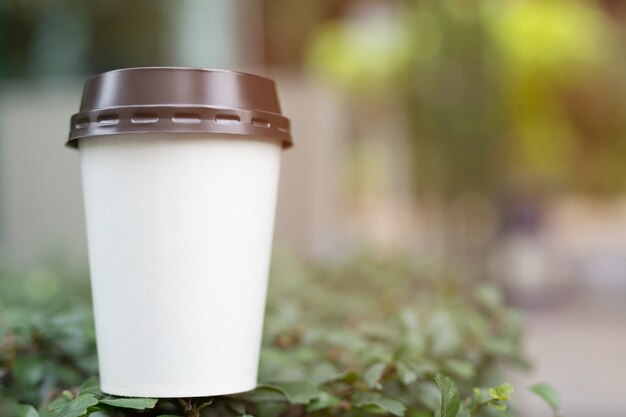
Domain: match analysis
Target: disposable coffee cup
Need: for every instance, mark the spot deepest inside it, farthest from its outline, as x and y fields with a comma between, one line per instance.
x=180, y=171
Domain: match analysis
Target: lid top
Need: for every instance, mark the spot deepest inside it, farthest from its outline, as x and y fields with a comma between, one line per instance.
x=173, y=67
x=249, y=101
x=163, y=86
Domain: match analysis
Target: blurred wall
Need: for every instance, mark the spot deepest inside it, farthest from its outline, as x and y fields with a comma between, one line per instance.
x=41, y=208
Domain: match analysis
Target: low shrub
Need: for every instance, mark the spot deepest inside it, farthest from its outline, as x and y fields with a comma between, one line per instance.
x=363, y=337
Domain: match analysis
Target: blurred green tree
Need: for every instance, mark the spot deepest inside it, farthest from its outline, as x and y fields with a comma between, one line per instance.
x=506, y=100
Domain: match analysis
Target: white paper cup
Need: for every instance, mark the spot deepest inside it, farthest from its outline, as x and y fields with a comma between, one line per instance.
x=179, y=228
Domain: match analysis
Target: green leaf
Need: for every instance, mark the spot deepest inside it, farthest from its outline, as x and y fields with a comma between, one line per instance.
x=350, y=377
x=29, y=370
x=266, y=393
x=464, y=412
x=24, y=410
x=504, y=391
x=324, y=400
x=406, y=375
x=299, y=392
x=498, y=406
x=373, y=374
x=450, y=400
x=493, y=394
x=548, y=394
x=205, y=405
x=90, y=386
x=77, y=407
x=134, y=403
x=380, y=403
x=269, y=409
x=58, y=403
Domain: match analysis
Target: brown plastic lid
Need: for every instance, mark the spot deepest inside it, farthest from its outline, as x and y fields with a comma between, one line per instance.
x=179, y=100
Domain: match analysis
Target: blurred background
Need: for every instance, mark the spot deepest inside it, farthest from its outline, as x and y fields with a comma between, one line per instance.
x=488, y=136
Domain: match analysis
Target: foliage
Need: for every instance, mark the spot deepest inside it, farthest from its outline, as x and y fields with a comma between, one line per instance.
x=495, y=91
x=47, y=338
x=359, y=338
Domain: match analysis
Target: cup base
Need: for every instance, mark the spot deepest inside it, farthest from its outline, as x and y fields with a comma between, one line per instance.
x=179, y=390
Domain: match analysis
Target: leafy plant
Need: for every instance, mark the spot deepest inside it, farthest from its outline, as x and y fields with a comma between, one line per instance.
x=47, y=339
x=360, y=338
x=303, y=400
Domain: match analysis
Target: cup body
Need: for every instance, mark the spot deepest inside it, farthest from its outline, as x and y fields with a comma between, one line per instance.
x=179, y=229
